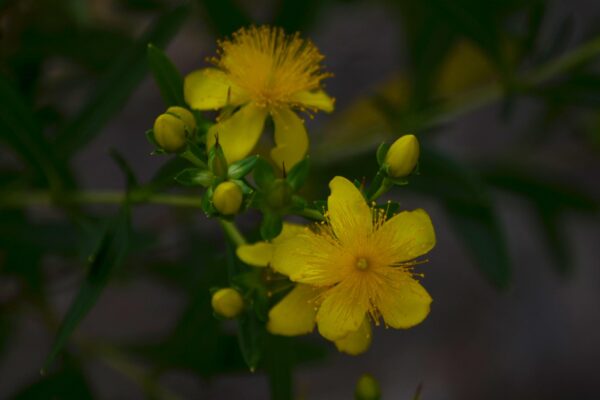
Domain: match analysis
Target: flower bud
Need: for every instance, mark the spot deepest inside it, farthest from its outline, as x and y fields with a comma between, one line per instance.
x=402, y=156
x=367, y=388
x=173, y=127
x=227, y=302
x=279, y=194
x=227, y=198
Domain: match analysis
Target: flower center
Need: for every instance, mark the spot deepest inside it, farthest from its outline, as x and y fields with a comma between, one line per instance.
x=362, y=263
x=269, y=65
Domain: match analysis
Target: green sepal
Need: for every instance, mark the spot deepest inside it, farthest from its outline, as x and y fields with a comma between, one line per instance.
x=278, y=195
x=271, y=225
x=152, y=140
x=240, y=169
x=298, y=174
x=397, y=181
x=195, y=177
x=320, y=205
x=216, y=161
x=246, y=189
x=298, y=203
x=381, y=153
x=263, y=173
x=207, y=205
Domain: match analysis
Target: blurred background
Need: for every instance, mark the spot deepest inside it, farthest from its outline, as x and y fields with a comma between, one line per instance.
x=504, y=96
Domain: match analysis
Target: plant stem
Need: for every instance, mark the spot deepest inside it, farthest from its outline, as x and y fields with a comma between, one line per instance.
x=44, y=198
x=311, y=213
x=232, y=232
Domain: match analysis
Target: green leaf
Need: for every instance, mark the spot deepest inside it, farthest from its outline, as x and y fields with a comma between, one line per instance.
x=251, y=336
x=131, y=180
x=114, y=89
x=263, y=173
x=225, y=16
x=111, y=251
x=382, y=152
x=298, y=174
x=240, y=169
x=271, y=225
x=20, y=130
x=195, y=177
x=166, y=76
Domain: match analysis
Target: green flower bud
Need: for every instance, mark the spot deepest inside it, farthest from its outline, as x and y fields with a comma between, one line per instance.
x=227, y=302
x=367, y=388
x=227, y=198
x=402, y=156
x=279, y=194
x=173, y=127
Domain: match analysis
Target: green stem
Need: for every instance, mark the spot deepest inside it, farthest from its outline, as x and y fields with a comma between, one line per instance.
x=45, y=198
x=191, y=157
x=383, y=188
x=232, y=232
x=311, y=213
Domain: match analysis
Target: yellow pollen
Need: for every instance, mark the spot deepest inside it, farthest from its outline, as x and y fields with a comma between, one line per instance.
x=270, y=66
x=362, y=263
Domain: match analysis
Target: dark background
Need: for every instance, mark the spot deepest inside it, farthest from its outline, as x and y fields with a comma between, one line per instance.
x=532, y=333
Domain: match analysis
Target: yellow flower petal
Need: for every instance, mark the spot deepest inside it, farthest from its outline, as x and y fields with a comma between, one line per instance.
x=289, y=231
x=295, y=313
x=407, y=235
x=349, y=214
x=307, y=258
x=405, y=304
x=314, y=99
x=342, y=311
x=291, y=139
x=239, y=133
x=260, y=254
x=210, y=89
x=357, y=342
x=257, y=254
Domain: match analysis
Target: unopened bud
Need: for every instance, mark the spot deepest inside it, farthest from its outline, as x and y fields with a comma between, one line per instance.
x=227, y=302
x=279, y=194
x=227, y=198
x=367, y=388
x=402, y=156
x=173, y=127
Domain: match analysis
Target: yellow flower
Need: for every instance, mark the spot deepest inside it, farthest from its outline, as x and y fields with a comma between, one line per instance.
x=295, y=314
x=356, y=266
x=264, y=72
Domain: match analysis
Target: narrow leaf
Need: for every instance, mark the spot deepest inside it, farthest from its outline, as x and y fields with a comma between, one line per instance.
x=121, y=79
x=109, y=255
x=166, y=76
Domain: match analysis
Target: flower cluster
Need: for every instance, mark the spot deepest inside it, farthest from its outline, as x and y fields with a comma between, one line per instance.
x=352, y=268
